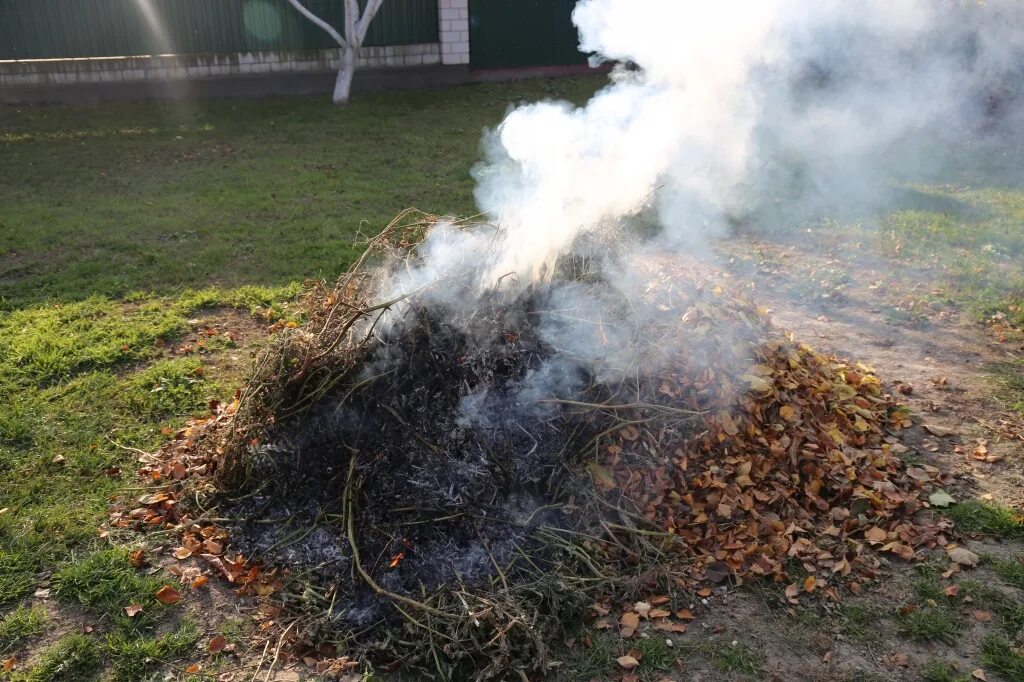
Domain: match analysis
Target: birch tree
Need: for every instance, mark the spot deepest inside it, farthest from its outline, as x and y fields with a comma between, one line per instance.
x=356, y=25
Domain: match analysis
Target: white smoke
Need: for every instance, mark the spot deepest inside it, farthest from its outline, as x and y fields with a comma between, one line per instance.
x=753, y=110
x=736, y=104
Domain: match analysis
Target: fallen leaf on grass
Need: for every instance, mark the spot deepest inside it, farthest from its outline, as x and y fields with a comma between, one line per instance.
x=217, y=644
x=629, y=622
x=684, y=614
x=182, y=553
x=979, y=674
x=168, y=595
x=137, y=558
x=193, y=669
x=199, y=581
x=940, y=498
x=10, y=664
x=982, y=616
x=627, y=662
x=962, y=556
x=642, y=608
x=897, y=661
x=951, y=590
x=133, y=610
x=810, y=584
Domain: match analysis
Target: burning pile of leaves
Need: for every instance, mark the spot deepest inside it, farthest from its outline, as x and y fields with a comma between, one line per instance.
x=392, y=473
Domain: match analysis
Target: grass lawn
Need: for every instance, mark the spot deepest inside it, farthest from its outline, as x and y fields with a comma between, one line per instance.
x=128, y=231
x=157, y=197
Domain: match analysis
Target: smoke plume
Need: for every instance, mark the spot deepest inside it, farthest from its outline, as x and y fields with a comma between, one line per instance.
x=737, y=110
x=716, y=114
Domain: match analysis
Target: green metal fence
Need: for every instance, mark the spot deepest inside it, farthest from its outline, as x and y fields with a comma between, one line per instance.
x=50, y=29
x=515, y=33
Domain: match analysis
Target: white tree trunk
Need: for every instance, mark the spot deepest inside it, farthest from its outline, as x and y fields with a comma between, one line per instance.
x=343, y=83
x=356, y=25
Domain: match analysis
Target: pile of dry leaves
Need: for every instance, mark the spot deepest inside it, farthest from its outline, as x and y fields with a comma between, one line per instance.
x=725, y=449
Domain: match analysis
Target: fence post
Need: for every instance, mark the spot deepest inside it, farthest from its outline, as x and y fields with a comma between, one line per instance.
x=453, y=20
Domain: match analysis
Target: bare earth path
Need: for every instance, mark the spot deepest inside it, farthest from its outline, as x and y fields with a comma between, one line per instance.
x=937, y=363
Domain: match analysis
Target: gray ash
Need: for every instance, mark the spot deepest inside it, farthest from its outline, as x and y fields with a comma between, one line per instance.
x=453, y=469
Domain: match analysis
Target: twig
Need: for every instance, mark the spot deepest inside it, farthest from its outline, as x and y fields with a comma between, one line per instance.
x=626, y=406
x=130, y=449
x=277, y=651
x=260, y=664
x=347, y=503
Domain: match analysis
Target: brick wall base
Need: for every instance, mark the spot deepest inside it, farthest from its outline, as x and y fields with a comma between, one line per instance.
x=187, y=67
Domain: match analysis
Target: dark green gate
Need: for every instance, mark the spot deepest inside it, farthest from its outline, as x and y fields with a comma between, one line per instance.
x=517, y=33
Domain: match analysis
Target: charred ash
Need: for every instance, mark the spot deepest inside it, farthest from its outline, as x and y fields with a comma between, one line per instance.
x=454, y=469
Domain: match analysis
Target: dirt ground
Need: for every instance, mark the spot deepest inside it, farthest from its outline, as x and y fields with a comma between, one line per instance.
x=939, y=362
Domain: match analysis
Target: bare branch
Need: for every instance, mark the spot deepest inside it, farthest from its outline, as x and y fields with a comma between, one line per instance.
x=319, y=22
x=364, y=21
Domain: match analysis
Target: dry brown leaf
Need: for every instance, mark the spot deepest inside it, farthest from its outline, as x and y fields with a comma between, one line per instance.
x=963, y=556
x=10, y=664
x=792, y=591
x=627, y=662
x=217, y=644
x=979, y=674
x=133, y=610
x=182, y=553
x=628, y=624
x=168, y=595
x=810, y=584
x=137, y=558
x=875, y=535
x=193, y=668
x=936, y=430
x=728, y=425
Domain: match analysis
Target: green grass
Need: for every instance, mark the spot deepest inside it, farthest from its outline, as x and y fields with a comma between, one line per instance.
x=1010, y=611
x=20, y=625
x=999, y=655
x=118, y=225
x=1012, y=572
x=71, y=659
x=1008, y=378
x=159, y=197
x=931, y=624
x=105, y=581
x=941, y=671
x=130, y=658
x=860, y=623
x=975, y=516
x=738, y=658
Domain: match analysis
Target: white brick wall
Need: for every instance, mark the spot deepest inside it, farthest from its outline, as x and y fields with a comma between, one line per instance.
x=126, y=69
x=453, y=16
